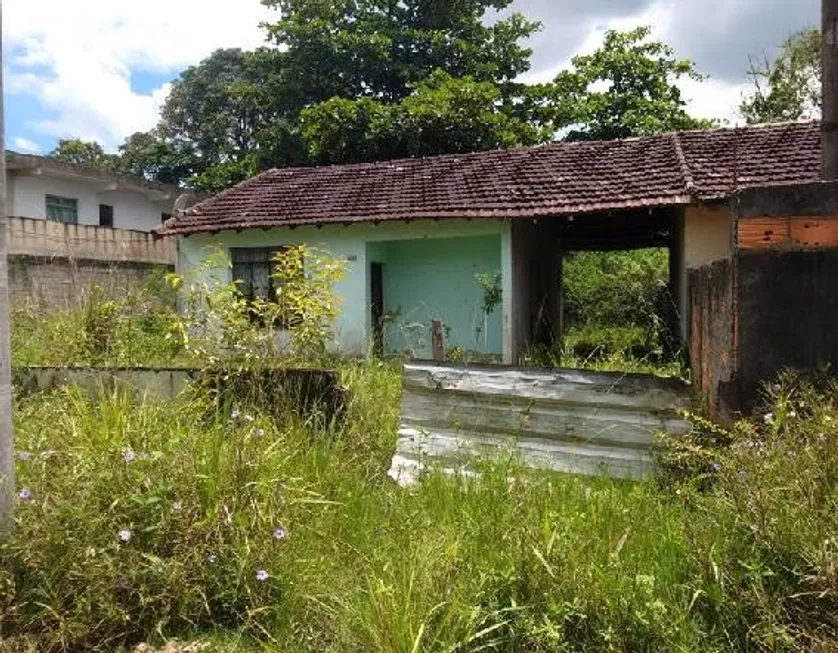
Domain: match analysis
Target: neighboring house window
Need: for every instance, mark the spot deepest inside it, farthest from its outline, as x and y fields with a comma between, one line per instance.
x=105, y=215
x=62, y=209
x=253, y=268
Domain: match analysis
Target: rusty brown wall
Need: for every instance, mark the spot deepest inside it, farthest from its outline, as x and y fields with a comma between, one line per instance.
x=712, y=335
x=785, y=283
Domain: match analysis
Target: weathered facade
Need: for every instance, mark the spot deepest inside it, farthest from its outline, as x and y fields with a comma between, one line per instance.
x=417, y=233
x=770, y=304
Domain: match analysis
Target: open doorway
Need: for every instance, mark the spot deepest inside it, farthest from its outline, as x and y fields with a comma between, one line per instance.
x=377, y=307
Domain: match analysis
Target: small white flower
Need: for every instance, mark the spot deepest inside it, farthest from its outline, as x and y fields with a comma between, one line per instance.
x=212, y=558
x=235, y=414
x=23, y=455
x=124, y=535
x=769, y=418
x=177, y=506
x=249, y=418
x=129, y=456
x=261, y=575
x=259, y=433
x=280, y=533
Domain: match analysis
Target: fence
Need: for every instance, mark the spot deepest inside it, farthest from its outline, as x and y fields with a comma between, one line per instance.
x=564, y=420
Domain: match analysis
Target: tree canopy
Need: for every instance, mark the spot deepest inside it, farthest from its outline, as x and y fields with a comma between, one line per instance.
x=788, y=88
x=350, y=81
x=626, y=88
x=84, y=153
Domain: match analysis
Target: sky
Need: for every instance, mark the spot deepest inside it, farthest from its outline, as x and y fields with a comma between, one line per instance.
x=100, y=69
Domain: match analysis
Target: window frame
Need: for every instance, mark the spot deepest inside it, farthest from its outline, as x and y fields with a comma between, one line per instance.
x=56, y=205
x=265, y=257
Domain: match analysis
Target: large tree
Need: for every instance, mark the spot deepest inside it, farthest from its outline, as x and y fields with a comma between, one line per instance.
x=788, y=88
x=627, y=87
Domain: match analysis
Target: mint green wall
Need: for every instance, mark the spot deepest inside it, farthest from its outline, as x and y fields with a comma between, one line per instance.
x=436, y=279
x=356, y=244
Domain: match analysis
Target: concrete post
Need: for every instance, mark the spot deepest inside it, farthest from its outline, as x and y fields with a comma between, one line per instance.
x=829, y=123
x=7, y=465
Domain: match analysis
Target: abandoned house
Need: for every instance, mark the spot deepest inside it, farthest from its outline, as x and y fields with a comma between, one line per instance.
x=422, y=236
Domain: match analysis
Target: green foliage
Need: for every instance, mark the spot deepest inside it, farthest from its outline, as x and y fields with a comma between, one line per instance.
x=789, y=88
x=542, y=562
x=350, y=82
x=84, y=153
x=219, y=325
x=625, y=88
x=152, y=156
x=492, y=285
x=125, y=327
x=618, y=307
x=442, y=115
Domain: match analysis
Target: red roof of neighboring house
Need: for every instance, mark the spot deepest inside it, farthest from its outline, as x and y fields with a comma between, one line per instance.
x=564, y=178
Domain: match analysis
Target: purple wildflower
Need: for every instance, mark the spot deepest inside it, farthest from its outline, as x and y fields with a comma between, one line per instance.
x=23, y=455
x=717, y=467
x=261, y=575
x=25, y=494
x=129, y=456
x=124, y=535
x=280, y=533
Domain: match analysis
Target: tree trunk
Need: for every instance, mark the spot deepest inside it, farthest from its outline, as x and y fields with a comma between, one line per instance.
x=829, y=124
x=7, y=478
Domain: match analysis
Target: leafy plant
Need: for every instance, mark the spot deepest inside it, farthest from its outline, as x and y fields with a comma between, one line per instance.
x=220, y=325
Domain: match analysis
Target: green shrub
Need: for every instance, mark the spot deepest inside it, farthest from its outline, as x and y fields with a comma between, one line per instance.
x=618, y=305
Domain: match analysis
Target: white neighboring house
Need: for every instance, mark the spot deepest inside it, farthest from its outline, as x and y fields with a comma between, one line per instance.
x=42, y=188
x=70, y=228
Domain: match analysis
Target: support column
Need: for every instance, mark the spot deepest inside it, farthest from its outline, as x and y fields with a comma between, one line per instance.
x=531, y=269
x=678, y=278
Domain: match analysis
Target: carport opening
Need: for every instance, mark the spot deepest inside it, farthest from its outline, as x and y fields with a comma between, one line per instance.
x=620, y=288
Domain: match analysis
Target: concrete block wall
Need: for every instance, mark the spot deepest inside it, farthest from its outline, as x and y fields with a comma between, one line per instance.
x=58, y=283
x=52, y=264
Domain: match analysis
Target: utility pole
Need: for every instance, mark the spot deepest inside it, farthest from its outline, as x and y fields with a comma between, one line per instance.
x=829, y=120
x=7, y=450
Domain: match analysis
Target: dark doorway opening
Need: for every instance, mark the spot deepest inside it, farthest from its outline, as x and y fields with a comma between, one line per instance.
x=377, y=307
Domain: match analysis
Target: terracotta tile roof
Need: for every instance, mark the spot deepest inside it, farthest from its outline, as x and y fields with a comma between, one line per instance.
x=551, y=180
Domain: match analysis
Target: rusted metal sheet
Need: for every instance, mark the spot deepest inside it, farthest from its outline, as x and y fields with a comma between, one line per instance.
x=565, y=420
x=786, y=232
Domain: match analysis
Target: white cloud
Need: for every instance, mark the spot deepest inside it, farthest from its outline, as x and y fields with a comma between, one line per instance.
x=711, y=98
x=76, y=58
x=24, y=145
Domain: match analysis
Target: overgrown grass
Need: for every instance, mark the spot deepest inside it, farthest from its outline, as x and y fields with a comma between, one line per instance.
x=136, y=327
x=514, y=560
